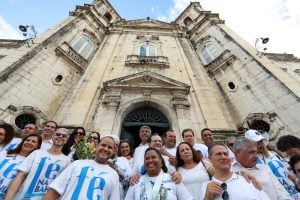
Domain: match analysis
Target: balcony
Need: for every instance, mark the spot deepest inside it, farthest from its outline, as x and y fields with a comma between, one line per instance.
x=147, y=61
x=225, y=59
x=67, y=52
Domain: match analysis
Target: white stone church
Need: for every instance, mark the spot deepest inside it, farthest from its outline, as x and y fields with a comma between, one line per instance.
x=107, y=74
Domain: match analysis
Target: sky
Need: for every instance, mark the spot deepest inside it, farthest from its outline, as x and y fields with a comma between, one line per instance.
x=279, y=20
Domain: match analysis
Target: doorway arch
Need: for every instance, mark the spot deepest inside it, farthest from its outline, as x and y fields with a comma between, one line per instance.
x=143, y=116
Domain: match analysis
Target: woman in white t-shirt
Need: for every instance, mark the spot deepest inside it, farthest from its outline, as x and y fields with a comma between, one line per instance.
x=126, y=150
x=14, y=157
x=193, y=168
x=156, y=183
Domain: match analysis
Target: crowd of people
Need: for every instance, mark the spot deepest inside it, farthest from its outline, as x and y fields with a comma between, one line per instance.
x=56, y=164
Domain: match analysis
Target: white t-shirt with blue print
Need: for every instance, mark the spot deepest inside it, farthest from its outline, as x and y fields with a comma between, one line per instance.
x=281, y=172
x=41, y=168
x=8, y=172
x=87, y=180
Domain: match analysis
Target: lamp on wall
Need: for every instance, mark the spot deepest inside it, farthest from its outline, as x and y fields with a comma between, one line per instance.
x=260, y=45
x=29, y=32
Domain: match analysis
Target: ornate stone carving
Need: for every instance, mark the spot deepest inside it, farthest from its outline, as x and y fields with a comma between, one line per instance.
x=180, y=102
x=112, y=100
x=276, y=125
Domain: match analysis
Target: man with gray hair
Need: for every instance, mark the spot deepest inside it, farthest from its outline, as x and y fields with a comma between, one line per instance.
x=144, y=134
x=245, y=160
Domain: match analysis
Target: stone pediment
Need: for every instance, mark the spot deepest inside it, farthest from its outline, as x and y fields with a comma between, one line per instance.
x=147, y=23
x=146, y=81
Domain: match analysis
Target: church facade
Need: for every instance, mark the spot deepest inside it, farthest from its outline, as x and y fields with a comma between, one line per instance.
x=99, y=71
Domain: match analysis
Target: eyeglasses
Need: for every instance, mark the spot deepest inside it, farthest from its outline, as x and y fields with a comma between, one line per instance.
x=225, y=195
x=61, y=134
x=92, y=138
x=79, y=133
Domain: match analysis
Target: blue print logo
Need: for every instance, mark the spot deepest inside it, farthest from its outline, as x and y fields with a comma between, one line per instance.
x=95, y=183
x=40, y=181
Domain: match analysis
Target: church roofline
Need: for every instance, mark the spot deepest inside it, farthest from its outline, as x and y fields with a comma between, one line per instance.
x=108, y=4
x=189, y=6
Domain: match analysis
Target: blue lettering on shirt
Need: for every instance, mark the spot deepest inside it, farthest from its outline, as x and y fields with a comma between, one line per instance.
x=39, y=184
x=9, y=172
x=95, y=183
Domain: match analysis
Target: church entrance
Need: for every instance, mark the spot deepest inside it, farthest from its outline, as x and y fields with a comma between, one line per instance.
x=143, y=116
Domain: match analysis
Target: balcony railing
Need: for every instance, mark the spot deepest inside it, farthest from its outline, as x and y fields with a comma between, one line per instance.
x=226, y=58
x=147, y=61
x=67, y=52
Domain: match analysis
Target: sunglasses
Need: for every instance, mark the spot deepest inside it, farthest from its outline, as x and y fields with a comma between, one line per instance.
x=225, y=195
x=92, y=138
x=230, y=144
x=61, y=134
x=80, y=133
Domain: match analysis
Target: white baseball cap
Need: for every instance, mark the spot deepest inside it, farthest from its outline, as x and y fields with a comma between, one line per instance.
x=253, y=135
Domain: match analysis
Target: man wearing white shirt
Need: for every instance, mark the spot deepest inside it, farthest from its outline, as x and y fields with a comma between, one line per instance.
x=275, y=164
x=246, y=157
x=48, y=131
x=226, y=184
x=170, y=142
x=144, y=134
x=188, y=136
x=28, y=129
x=88, y=179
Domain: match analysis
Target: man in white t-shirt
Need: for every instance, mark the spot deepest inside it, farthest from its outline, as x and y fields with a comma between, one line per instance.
x=144, y=134
x=88, y=179
x=29, y=128
x=170, y=142
x=39, y=169
x=245, y=160
x=48, y=131
x=188, y=136
x=226, y=184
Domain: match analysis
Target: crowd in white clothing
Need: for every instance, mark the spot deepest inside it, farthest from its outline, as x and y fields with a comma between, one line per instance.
x=57, y=164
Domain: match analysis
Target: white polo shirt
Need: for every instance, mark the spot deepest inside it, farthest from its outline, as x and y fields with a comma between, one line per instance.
x=238, y=188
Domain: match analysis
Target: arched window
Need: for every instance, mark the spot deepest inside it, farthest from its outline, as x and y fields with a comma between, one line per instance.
x=147, y=49
x=187, y=21
x=84, y=46
x=209, y=52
